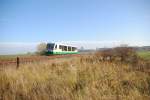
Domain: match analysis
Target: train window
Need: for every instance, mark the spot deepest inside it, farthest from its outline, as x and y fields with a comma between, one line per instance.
x=60, y=46
x=50, y=46
x=73, y=48
x=65, y=48
x=69, y=48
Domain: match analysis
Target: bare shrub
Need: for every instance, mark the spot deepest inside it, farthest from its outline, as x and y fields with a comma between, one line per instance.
x=124, y=54
x=127, y=54
x=104, y=55
x=41, y=48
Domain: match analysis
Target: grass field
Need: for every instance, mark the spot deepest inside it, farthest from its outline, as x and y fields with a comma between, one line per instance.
x=9, y=57
x=144, y=54
x=84, y=78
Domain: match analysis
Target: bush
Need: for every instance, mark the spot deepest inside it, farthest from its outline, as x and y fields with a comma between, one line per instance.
x=125, y=54
x=41, y=49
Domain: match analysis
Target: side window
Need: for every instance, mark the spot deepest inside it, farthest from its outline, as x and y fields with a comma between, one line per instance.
x=60, y=47
x=69, y=48
x=65, y=48
x=73, y=48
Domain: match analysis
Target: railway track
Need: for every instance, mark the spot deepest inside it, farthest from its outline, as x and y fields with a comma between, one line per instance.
x=29, y=59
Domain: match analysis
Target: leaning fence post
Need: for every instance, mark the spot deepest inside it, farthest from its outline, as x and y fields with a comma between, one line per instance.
x=17, y=62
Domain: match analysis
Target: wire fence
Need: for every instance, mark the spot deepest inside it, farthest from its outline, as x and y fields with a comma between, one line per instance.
x=23, y=60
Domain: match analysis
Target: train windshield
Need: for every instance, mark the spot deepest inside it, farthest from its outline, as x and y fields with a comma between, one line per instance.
x=50, y=46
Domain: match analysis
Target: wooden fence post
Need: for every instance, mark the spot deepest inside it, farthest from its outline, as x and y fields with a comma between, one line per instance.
x=18, y=62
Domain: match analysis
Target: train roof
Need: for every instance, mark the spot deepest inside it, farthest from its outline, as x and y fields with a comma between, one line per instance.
x=62, y=44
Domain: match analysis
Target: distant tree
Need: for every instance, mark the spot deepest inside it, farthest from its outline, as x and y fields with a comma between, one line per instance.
x=29, y=53
x=41, y=48
x=123, y=45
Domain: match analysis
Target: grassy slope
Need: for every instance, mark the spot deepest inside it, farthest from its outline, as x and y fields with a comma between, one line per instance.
x=78, y=79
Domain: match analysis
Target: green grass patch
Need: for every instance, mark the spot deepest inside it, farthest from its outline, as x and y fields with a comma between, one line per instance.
x=144, y=54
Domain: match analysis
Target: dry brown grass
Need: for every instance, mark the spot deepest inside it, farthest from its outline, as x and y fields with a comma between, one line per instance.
x=84, y=78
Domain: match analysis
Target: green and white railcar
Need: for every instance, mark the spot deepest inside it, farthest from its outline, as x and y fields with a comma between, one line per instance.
x=54, y=48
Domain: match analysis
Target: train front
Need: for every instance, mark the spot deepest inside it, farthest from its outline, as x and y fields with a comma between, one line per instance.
x=49, y=48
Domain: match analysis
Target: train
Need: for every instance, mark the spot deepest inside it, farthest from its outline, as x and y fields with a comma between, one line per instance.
x=57, y=49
